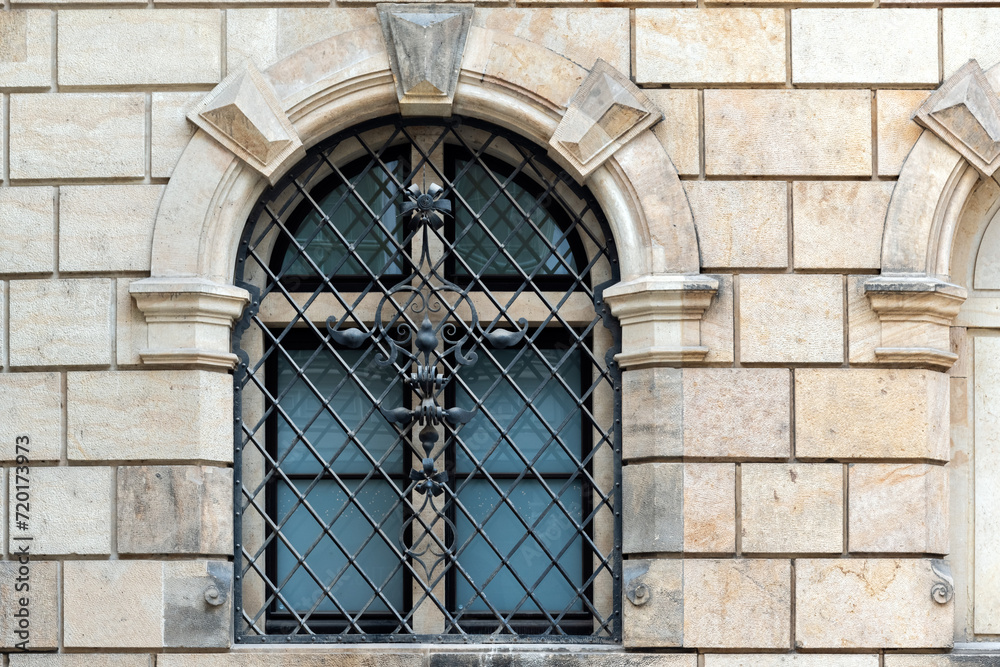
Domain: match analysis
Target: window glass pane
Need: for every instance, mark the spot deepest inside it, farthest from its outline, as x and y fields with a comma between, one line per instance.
x=531, y=250
x=525, y=556
x=376, y=560
x=305, y=409
x=355, y=222
x=555, y=415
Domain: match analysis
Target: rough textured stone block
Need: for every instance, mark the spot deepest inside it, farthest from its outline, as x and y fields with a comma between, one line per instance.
x=175, y=509
x=27, y=229
x=740, y=224
x=60, y=322
x=838, y=225
x=652, y=507
x=298, y=27
x=736, y=412
x=864, y=46
x=171, y=129
x=112, y=604
x=35, y=582
x=896, y=131
x=150, y=415
x=679, y=131
x=822, y=132
x=898, y=508
x=197, y=604
x=652, y=413
x=69, y=510
x=130, y=326
x=653, y=604
x=25, y=49
x=793, y=508
x=955, y=660
x=864, y=329
x=709, y=507
x=791, y=318
x=710, y=46
x=101, y=135
x=132, y=47
x=790, y=660
x=251, y=34
x=718, y=323
x=871, y=414
x=31, y=406
x=107, y=227
x=969, y=32
x=869, y=603
x=81, y=660
x=737, y=603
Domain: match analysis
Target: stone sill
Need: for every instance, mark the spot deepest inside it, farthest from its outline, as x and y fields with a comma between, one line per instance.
x=427, y=648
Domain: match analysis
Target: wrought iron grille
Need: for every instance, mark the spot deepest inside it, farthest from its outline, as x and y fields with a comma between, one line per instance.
x=427, y=432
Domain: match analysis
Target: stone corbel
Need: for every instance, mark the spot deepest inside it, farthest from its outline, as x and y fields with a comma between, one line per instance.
x=916, y=314
x=189, y=320
x=660, y=318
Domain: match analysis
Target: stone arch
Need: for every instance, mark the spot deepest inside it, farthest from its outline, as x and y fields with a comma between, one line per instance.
x=190, y=302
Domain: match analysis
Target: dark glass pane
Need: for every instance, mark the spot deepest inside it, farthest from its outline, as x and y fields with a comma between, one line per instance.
x=373, y=556
x=551, y=527
x=304, y=407
x=531, y=250
x=374, y=196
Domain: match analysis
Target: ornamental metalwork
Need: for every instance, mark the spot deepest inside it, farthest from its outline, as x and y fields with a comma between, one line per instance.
x=427, y=405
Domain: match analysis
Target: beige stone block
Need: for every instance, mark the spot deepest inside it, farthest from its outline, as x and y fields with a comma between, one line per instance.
x=838, y=225
x=582, y=35
x=299, y=27
x=898, y=508
x=81, y=660
x=793, y=508
x=251, y=34
x=718, y=324
x=709, y=507
x=961, y=345
x=130, y=326
x=101, y=135
x=652, y=404
x=150, y=415
x=741, y=224
x=27, y=229
x=896, y=131
x=26, y=49
x=653, y=604
x=882, y=46
x=791, y=318
x=107, y=227
x=31, y=407
x=30, y=587
x=69, y=510
x=60, y=322
x=737, y=604
x=736, y=412
x=175, y=509
x=788, y=132
x=139, y=47
x=871, y=413
x=979, y=659
x=864, y=329
x=731, y=45
x=112, y=604
x=869, y=603
x=970, y=32
x=986, y=487
x=679, y=133
x=652, y=508
x=790, y=660
x=171, y=129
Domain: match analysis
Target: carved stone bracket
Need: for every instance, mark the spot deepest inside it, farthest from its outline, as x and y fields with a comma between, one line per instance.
x=915, y=313
x=965, y=113
x=605, y=113
x=661, y=319
x=425, y=45
x=243, y=114
x=189, y=320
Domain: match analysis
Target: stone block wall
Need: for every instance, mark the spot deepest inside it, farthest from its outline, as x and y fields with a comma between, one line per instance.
x=785, y=499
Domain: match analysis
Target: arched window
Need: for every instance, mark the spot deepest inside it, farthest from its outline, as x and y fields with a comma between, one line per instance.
x=427, y=432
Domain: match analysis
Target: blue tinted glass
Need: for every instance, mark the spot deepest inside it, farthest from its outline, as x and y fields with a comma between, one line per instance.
x=527, y=559
x=352, y=219
x=355, y=410
x=507, y=224
x=376, y=559
x=557, y=412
